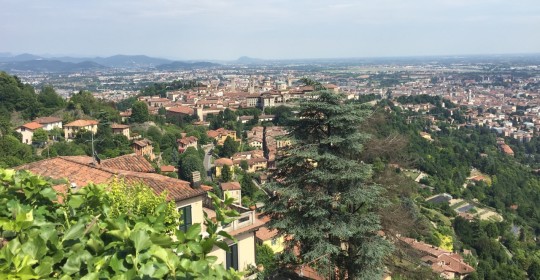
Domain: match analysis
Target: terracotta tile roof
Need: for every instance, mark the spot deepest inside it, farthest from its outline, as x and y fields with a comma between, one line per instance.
x=142, y=143
x=229, y=186
x=131, y=162
x=32, y=125
x=440, y=260
x=223, y=161
x=181, y=110
x=167, y=168
x=46, y=120
x=187, y=140
x=119, y=126
x=79, y=123
x=266, y=234
x=212, y=133
x=74, y=171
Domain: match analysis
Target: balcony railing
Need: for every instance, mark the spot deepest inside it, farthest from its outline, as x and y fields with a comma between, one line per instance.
x=246, y=218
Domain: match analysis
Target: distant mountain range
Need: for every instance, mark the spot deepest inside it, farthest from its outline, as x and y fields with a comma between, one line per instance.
x=34, y=63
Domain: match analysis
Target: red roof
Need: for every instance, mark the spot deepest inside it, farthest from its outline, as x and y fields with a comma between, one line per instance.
x=76, y=171
x=81, y=123
x=181, y=110
x=230, y=186
x=32, y=125
x=187, y=140
x=46, y=120
x=119, y=126
x=223, y=161
x=167, y=168
x=131, y=162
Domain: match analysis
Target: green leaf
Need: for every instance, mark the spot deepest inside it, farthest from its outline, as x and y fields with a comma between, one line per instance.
x=75, y=201
x=44, y=268
x=195, y=247
x=95, y=244
x=193, y=231
x=226, y=235
x=222, y=245
x=74, y=232
x=147, y=269
x=49, y=193
x=117, y=264
x=141, y=240
x=91, y=276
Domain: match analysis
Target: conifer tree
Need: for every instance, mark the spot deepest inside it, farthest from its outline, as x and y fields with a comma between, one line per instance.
x=323, y=200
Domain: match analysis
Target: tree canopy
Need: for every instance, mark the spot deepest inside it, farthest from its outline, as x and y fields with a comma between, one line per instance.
x=324, y=200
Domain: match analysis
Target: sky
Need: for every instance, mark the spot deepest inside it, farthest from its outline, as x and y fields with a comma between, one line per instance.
x=269, y=29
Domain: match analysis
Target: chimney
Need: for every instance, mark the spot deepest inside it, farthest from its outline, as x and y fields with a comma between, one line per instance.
x=183, y=134
x=195, y=179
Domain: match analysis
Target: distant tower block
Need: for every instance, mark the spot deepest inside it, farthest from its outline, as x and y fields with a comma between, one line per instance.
x=251, y=89
x=233, y=84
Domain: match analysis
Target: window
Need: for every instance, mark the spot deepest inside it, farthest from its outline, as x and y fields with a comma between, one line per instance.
x=185, y=218
x=232, y=257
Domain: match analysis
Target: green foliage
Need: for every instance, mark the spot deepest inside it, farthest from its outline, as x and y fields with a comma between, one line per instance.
x=66, y=149
x=139, y=112
x=266, y=257
x=189, y=162
x=282, y=114
x=229, y=148
x=139, y=200
x=40, y=136
x=84, y=239
x=226, y=174
x=248, y=187
x=324, y=200
x=13, y=152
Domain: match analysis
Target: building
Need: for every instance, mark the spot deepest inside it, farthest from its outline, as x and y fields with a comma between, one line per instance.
x=144, y=148
x=71, y=129
x=121, y=129
x=186, y=142
x=233, y=190
x=266, y=236
x=219, y=163
x=221, y=134
x=27, y=131
x=179, y=111
x=449, y=265
x=191, y=202
x=49, y=123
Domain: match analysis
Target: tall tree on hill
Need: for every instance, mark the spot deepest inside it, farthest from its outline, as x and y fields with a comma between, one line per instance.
x=139, y=112
x=324, y=201
x=229, y=147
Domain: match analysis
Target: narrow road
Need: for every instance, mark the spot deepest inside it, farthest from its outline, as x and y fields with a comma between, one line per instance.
x=208, y=159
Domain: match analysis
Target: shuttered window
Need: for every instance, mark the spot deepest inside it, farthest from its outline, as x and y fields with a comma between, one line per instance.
x=185, y=218
x=232, y=257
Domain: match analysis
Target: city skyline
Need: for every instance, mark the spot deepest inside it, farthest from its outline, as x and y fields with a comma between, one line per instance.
x=278, y=29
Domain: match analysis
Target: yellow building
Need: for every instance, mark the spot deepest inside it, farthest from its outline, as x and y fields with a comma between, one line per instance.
x=121, y=129
x=221, y=134
x=27, y=131
x=71, y=129
x=219, y=163
x=144, y=148
x=270, y=238
x=232, y=190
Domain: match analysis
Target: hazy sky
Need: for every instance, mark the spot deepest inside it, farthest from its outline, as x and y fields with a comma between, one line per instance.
x=228, y=29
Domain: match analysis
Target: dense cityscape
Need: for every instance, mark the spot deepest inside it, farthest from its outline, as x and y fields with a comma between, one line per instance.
x=270, y=140
x=224, y=131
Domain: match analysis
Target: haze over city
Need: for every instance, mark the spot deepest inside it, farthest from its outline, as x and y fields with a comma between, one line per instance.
x=275, y=29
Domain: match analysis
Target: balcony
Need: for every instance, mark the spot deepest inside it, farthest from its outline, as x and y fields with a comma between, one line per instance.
x=246, y=221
